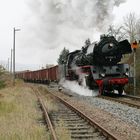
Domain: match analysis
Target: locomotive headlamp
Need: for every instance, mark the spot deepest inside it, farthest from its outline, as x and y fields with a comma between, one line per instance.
x=127, y=74
x=102, y=74
x=110, y=45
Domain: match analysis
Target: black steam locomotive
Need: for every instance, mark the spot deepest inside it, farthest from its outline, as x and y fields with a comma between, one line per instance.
x=98, y=65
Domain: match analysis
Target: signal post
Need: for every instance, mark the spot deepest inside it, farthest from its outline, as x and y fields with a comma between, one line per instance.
x=134, y=47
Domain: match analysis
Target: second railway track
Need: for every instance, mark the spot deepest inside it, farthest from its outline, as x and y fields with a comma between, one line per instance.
x=126, y=99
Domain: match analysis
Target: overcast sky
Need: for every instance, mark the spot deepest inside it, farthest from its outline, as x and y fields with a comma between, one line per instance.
x=49, y=25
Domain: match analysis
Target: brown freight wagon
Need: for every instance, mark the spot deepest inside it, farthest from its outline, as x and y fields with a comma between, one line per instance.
x=40, y=76
x=53, y=73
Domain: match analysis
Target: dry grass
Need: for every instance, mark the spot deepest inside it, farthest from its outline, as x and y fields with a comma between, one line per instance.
x=20, y=115
x=48, y=99
x=49, y=102
x=62, y=132
x=5, y=79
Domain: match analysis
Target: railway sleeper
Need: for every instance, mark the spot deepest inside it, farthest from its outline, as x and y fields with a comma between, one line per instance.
x=79, y=128
x=65, y=117
x=82, y=132
x=70, y=120
x=96, y=136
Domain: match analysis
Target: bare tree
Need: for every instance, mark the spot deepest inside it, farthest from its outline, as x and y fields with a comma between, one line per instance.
x=132, y=27
x=138, y=29
x=117, y=32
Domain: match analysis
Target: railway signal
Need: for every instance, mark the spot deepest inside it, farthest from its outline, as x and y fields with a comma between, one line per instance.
x=134, y=47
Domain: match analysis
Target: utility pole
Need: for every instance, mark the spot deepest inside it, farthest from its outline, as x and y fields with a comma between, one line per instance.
x=14, y=31
x=8, y=65
x=134, y=46
x=134, y=50
x=11, y=61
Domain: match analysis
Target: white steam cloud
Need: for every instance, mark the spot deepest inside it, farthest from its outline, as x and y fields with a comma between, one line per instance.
x=52, y=25
x=62, y=22
x=76, y=88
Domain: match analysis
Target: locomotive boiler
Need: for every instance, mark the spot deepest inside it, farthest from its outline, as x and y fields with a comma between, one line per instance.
x=98, y=65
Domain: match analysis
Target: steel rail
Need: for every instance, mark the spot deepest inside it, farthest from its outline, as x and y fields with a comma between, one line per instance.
x=105, y=132
x=45, y=111
x=121, y=101
x=132, y=97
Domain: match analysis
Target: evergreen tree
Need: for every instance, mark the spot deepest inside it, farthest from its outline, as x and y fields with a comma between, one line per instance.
x=63, y=56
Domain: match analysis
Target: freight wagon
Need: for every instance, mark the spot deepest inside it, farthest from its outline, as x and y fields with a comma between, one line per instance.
x=40, y=76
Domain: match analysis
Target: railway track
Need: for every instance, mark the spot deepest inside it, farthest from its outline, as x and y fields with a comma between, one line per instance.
x=80, y=126
x=77, y=126
x=132, y=101
x=45, y=113
x=136, y=98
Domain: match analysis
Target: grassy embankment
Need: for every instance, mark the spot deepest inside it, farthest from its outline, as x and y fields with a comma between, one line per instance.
x=20, y=116
x=129, y=59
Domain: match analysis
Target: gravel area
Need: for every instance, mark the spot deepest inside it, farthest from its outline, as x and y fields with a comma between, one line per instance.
x=108, y=120
x=124, y=112
x=121, y=120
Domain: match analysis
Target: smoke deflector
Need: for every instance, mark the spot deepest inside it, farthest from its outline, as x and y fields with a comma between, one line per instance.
x=124, y=47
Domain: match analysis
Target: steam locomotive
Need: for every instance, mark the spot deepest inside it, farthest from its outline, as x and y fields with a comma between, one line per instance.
x=98, y=65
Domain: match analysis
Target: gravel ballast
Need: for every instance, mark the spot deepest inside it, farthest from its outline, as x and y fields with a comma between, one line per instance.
x=124, y=112
x=119, y=119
